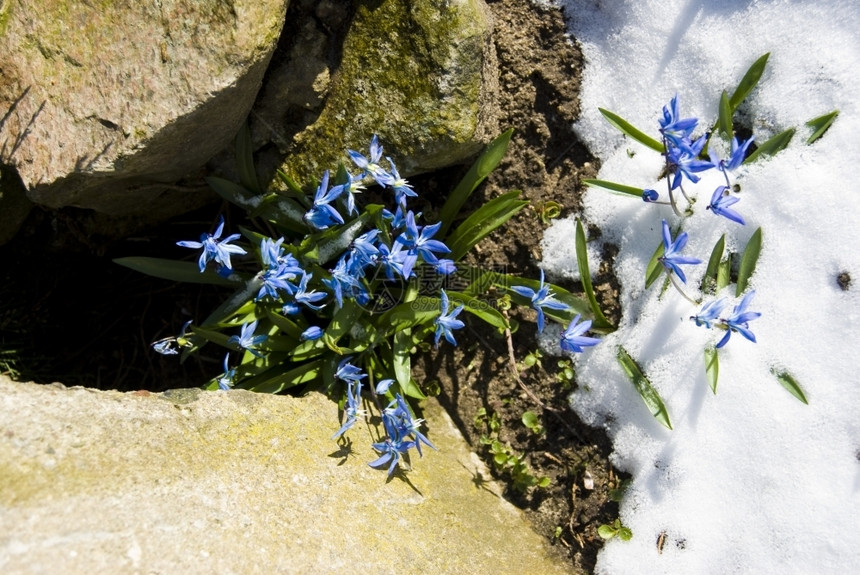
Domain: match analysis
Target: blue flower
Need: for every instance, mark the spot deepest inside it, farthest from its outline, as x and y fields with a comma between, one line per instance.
x=709, y=313
x=738, y=154
x=353, y=406
x=247, y=340
x=342, y=282
x=312, y=333
x=670, y=259
x=446, y=322
x=401, y=187
x=371, y=166
x=363, y=253
x=278, y=278
x=720, y=202
x=348, y=372
x=225, y=382
x=540, y=299
x=419, y=243
x=739, y=320
x=649, y=196
x=352, y=187
x=391, y=449
x=215, y=249
x=322, y=214
x=398, y=422
x=572, y=338
x=684, y=161
x=308, y=298
x=675, y=129
x=383, y=386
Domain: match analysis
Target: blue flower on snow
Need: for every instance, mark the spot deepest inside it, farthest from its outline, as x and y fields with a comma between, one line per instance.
x=721, y=202
x=739, y=320
x=710, y=312
x=572, y=338
x=670, y=259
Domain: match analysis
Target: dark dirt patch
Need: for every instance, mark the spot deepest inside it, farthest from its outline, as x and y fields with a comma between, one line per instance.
x=68, y=313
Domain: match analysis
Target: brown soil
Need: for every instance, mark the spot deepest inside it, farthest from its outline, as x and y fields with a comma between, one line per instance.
x=56, y=323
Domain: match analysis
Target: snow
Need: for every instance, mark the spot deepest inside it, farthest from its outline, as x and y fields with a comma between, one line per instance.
x=750, y=480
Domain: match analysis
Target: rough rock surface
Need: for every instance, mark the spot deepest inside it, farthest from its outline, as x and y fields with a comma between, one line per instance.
x=209, y=482
x=102, y=99
x=421, y=75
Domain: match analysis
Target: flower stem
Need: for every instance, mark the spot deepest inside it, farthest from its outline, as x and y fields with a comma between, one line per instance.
x=680, y=290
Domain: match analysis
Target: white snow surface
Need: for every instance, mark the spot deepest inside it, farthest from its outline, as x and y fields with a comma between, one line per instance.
x=750, y=480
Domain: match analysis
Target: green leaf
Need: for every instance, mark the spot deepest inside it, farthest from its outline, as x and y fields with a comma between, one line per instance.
x=482, y=222
x=748, y=82
x=625, y=534
x=655, y=268
x=585, y=277
x=331, y=243
x=276, y=380
x=606, y=531
x=175, y=271
x=748, y=262
x=712, y=367
x=486, y=163
x=234, y=193
x=245, y=160
x=402, y=364
x=628, y=190
x=235, y=302
x=633, y=132
x=286, y=325
x=340, y=325
x=724, y=274
x=709, y=281
x=772, y=146
x=577, y=304
x=820, y=125
x=480, y=309
x=646, y=391
x=725, y=119
x=530, y=419
x=788, y=382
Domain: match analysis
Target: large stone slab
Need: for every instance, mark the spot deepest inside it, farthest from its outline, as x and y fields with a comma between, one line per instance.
x=234, y=482
x=102, y=100
x=421, y=75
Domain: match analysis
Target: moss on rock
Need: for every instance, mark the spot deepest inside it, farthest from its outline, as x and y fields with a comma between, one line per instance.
x=421, y=75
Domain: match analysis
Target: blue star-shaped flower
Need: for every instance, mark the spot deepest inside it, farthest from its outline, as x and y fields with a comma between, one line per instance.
x=710, y=312
x=419, y=243
x=225, y=382
x=370, y=166
x=322, y=214
x=214, y=248
x=540, y=299
x=353, y=406
x=675, y=129
x=402, y=188
x=247, y=340
x=572, y=338
x=670, y=259
x=739, y=320
x=721, y=202
x=447, y=322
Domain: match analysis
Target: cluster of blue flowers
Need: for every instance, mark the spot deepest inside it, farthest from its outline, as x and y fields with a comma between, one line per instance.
x=683, y=162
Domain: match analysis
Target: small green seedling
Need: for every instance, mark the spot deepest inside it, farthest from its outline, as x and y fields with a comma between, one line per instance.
x=530, y=420
x=616, y=529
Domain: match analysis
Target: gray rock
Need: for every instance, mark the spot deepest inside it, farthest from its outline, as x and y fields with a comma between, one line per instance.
x=421, y=75
x=234, y=482
x=106, y=100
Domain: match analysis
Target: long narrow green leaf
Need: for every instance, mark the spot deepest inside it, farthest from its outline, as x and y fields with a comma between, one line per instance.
x=627, y=128
x=725, y=119
x=173, y=270
x=624, y=189
x=286, y=325
x=279, y=380
x=235, y=302
x=709, y=282
x=655, y=268
x=788, y=382
x=820, y=125
x=748, y=82
x=402, y=364
x=338, y=327
x=486, y=163
x=326, y=246
x=483, y=222
x=245, y=160
x=479, y=309
x=748, y=262
x=724, y=274
x=646, y=391
x=600, y=320
x=772, y=146
x=712, y=367
x=234, y=193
